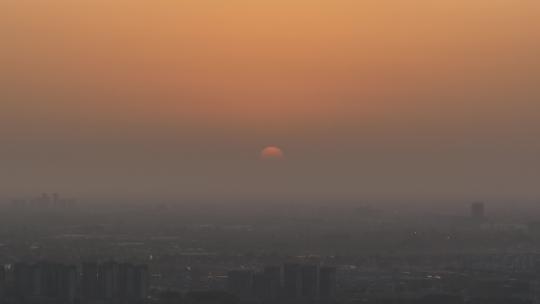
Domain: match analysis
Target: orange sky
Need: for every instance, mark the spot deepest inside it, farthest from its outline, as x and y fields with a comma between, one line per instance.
x=325, y=78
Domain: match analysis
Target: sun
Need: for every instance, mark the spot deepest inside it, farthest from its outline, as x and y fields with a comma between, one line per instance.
x=272, y=153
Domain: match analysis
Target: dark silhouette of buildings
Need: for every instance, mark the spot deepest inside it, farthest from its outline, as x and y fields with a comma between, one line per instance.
x=46, y=281
x=45, y=200
x=267, y=285
x=109, y=283
x=291, y=283
x=120, y=282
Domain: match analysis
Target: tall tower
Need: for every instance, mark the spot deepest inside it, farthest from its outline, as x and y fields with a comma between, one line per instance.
x=477, y=210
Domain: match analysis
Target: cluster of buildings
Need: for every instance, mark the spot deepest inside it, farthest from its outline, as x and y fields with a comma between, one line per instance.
x=114, y=282
x=44, y=200
x=291, y=282
x=92, y=283
x=45, y=281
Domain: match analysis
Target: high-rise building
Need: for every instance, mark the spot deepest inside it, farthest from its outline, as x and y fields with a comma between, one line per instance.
x=240, y=283
x=68, y=278
x=132, y=282
x=47, y=281
x=327, y=283
x=108, y=280
x=141, y=280
x=126, y=280
x=22, y=275
x=2, y=281
x=292, y=281
x=310, y=281
x=55, y=197
x=273, y=278
x=89, y=281
x=535, y=292
x=114, y=282
x=110, y=283
x=477, y=210
x=260, y=286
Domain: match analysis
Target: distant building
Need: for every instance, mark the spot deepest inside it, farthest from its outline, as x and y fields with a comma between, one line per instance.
x=132, y=282
x=142, y=279
x=110, y=283
x=89, y=281
x=310, y=281
x=45, y=200
x=108, y=280
x=240, y=283
x=292, y=281
x=477, y=210
x=67, y=285
x=116, y=282
x=126, y=281
x=22, y=275
x=273, y=278
x=261, y=286
x=2, y=281
x=535, y=292
x=196, y=279
x=327, y=283
x=46, y=281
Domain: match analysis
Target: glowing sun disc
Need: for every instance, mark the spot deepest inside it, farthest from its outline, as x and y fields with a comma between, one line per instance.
x=272, y=153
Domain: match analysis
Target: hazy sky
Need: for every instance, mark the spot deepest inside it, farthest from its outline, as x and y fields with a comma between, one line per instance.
x=375, y=98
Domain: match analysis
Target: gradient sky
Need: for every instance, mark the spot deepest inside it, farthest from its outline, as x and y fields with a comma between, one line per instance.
x=368, y=99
